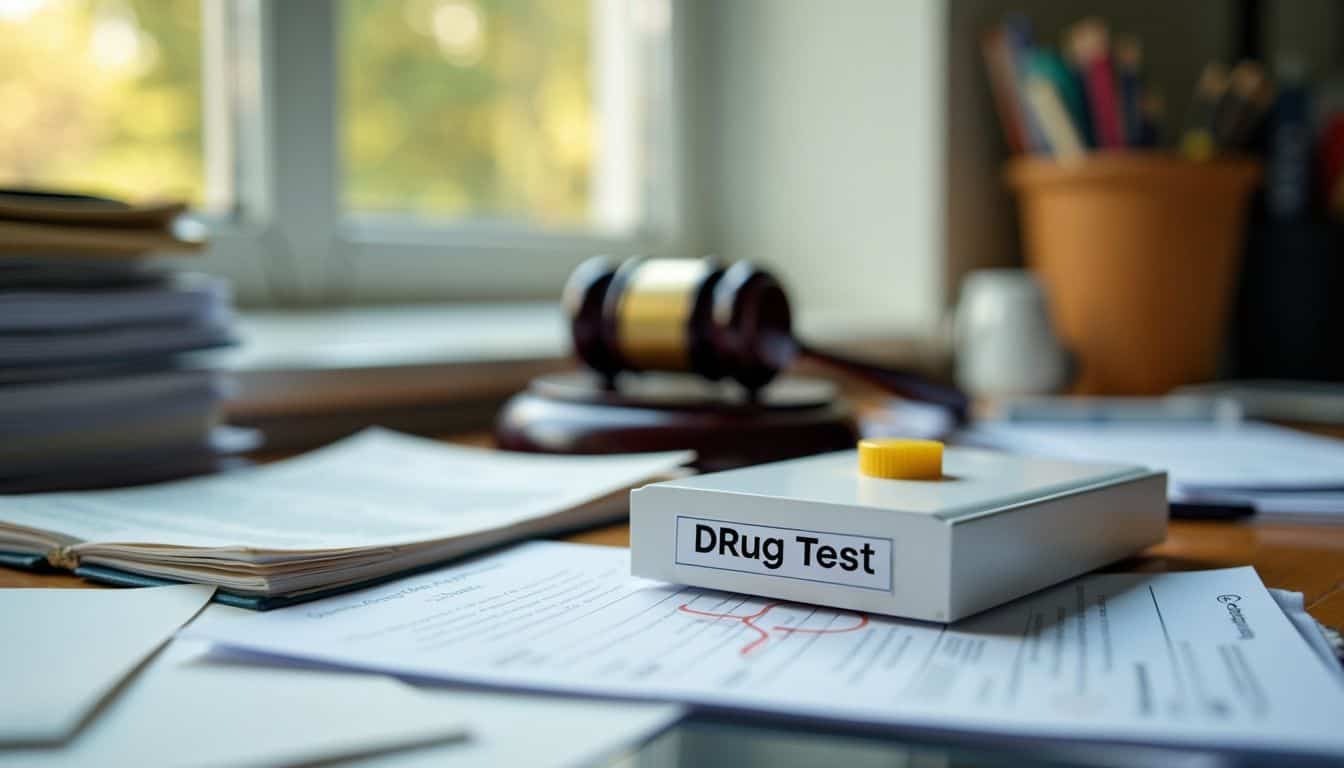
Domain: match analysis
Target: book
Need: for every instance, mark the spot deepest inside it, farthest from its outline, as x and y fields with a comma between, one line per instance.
x=112, y=344
x=185, y=299
x=367, y=508
x=98, y=242
x=85, y=210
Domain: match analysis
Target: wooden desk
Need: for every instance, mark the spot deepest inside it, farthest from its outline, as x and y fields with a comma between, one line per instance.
x=1306, y=559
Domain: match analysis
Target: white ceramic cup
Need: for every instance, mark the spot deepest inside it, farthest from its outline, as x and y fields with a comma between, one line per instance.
x=1005, y=344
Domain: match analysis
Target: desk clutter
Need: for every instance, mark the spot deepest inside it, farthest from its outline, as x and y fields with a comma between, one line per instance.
x=1199, y=659
x=345, y=548
x=694, y=354
x=96, y=374
x=130, y=703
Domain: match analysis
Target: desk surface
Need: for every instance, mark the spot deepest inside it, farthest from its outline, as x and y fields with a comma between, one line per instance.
x=1303, y=558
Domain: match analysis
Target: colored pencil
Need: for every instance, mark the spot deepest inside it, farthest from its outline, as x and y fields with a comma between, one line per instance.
x=1065, y=142
x=1089, y=46
x=1003, y=86
x=1049, y=65
x=1198, y=142
x=1017, y=34
x=1249, y=97
x=1152, y=111
x=1128, y=66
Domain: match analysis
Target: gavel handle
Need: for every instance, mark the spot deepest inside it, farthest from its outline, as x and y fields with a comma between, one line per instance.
x=907, y=384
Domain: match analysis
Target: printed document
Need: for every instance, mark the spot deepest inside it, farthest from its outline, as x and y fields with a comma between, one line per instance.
x=363, y=508
x=1200, y=659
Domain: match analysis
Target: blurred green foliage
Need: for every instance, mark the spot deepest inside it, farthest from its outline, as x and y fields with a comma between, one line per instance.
x=102, y=96
x=479, y=108
x=476, y=108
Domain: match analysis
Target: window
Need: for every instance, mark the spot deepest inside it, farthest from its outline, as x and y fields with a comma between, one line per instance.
x=103, y=97
x=360, y=150
x=467, y=109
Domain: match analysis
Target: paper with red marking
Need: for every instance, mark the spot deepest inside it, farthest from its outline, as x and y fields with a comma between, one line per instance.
x=1200, y=658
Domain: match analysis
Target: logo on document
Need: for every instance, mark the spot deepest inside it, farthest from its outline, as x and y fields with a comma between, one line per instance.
x=856, y=621
x=1234, y=613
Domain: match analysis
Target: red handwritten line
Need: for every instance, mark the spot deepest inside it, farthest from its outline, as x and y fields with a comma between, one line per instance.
x=750, y=620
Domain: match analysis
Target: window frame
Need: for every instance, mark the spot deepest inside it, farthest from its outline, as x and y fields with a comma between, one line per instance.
x=274, y=155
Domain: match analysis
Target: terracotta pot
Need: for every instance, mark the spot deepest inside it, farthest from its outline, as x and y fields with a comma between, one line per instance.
x=1139, y=255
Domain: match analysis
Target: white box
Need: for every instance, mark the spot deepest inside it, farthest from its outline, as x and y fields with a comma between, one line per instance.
x=814, y=530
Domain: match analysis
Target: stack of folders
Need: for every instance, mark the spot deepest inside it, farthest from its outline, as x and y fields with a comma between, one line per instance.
x=97, y=383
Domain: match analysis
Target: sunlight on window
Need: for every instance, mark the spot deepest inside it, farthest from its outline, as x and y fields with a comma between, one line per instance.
x=102, y=97
x=469, y=108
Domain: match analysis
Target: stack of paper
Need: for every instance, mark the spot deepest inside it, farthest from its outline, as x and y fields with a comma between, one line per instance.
x=77, y=695
x=90, y=334
x=368, y=507
x=1281, y=473
x=67, y=649
x=1201, y=659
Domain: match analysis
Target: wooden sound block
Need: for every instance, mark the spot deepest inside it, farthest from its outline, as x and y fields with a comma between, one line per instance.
x=577, y=413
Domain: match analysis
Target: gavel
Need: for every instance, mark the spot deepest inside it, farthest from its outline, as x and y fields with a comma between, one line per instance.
x=698, y=316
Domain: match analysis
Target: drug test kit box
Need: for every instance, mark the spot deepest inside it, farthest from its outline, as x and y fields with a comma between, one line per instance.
x=935, y=543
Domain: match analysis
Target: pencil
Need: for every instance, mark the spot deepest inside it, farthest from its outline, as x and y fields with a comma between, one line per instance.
x=1152, y=110
x=1198, y=142
x=1003, y=86
x=1089, y=46
x=1249, y=96
x=1128, y=65
x=1017, y=35
x=1048, y=65
x=1047, y=106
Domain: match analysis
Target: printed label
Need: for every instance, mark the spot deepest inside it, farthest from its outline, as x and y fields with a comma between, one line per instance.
x=790, y=553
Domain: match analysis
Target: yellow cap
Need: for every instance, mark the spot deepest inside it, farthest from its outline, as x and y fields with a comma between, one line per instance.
x=901, y=459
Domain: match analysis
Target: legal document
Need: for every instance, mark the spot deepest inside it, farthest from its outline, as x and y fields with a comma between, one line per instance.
x=363, y=508
x=1282, y=473
x=1201, y=658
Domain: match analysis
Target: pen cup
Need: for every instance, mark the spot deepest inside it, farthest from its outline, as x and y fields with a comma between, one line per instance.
x=1139, y=254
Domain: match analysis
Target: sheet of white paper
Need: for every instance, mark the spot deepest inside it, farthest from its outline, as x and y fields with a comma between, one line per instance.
x=376, y=488
x=187, y=709
x=178, y=712
x=1200, y=658
x=64, y=650
x=535, y=731
x=1226, y=456
x=1294, y=606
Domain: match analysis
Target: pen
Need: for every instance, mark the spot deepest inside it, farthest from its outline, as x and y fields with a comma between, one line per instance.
x=1221, y=510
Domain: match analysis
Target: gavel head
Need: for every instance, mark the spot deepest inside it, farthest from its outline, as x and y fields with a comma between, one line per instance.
x=680, y=315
